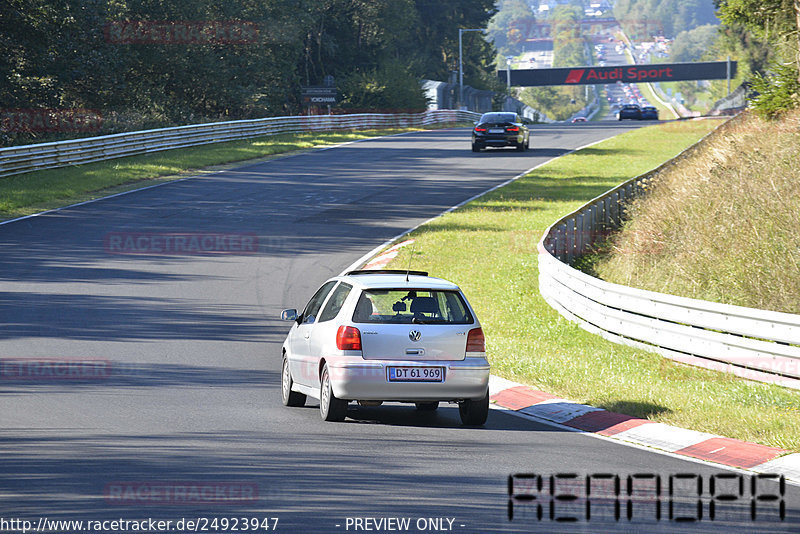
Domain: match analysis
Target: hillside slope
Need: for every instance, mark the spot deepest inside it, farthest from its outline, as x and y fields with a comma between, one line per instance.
x=721, y=225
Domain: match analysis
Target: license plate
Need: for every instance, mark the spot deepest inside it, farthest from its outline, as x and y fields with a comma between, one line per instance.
x=497, y=130
x=416, y=374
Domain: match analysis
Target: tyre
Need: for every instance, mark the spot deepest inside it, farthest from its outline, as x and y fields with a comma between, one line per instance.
x=521, y=147
x=330, y=408
x=474, y=412
x=475, y=148
x=528, y=143
x=289, y=397
x=427, y=406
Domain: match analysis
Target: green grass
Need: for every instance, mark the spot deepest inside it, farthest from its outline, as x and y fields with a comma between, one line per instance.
x=33, y=192
x=605, y=108
x=664, y=113
x=488, y=247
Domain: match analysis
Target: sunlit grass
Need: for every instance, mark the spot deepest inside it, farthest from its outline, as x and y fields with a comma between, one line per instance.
x=488, y=247
x=724, y=225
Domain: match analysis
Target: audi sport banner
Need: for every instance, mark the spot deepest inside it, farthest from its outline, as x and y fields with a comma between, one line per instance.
x=658, y=72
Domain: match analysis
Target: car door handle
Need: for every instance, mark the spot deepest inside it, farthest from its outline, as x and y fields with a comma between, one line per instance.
x=416, y=352
x=307, y=335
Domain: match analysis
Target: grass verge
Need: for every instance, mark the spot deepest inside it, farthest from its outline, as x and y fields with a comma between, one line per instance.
x=723, y=225
x=37, y=191
x=488, y=247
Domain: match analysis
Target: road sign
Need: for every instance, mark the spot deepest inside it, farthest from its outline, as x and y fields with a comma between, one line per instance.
x=318, y=96
x=656, y=72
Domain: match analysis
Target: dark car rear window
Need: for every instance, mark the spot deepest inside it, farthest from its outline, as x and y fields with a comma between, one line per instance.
x=498, y=117
x=403, y=306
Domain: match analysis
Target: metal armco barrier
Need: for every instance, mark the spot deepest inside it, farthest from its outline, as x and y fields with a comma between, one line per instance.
x=751, y=343
x=21, y=159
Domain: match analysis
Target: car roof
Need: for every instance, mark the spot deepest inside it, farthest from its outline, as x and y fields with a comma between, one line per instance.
x=395, y=280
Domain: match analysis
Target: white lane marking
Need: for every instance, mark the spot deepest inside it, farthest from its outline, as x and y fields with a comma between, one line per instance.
x=363, y=259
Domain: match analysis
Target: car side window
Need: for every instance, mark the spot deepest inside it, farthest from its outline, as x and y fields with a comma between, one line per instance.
x=313, y=306
x=335, y=303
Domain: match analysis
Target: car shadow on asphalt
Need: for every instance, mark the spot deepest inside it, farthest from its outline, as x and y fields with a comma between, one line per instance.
x=446, y=417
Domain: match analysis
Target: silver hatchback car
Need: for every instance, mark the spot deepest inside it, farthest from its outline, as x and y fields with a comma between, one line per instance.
x=386, y=336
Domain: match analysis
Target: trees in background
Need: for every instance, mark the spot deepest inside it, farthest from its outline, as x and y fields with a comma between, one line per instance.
x=159, y=62
x=641, y=19
x=569, y=50
x=513, y=23
x=774, y=27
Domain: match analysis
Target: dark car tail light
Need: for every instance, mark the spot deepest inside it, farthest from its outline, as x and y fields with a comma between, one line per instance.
x=476, y=341
x=512, y=129
x=479, y=129
x=348, y=338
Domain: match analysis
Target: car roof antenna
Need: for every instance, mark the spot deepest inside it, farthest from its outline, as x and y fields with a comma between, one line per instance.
x=410, y=257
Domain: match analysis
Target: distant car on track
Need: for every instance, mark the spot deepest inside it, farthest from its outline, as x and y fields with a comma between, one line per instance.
x=629, y=111
x=499, y=129
x=649, y=113
x=579, y=119
x=380, y=336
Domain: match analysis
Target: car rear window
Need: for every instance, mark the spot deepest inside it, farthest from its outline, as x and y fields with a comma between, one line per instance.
x=498, y=117
x=419, y=306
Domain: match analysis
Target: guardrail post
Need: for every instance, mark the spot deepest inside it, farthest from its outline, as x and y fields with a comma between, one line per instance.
x=561, y=248
x=593, y=214
x=569, y=240
x=580, y=235
x=614, y=209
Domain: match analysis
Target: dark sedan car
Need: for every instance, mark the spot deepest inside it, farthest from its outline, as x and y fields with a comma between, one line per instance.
x=498, y=129
x=629, y=111
x=649, y=113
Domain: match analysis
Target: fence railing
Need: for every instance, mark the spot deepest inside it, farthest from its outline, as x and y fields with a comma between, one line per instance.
x=752, y=343
x=21, y=159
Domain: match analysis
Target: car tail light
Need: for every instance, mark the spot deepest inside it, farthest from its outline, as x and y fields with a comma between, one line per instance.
x=479, y=129
x=512, y=129
x=349, y=338
x=476, y=341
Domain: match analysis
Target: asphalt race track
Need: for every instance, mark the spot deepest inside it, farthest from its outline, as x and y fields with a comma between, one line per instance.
x=175, y=412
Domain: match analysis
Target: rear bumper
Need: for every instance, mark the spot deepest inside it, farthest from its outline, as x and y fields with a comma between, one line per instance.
x=498, y=140
x=368, y=380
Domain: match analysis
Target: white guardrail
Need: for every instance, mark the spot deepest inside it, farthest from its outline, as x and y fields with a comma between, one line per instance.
x=751, y=343
x=21, y=159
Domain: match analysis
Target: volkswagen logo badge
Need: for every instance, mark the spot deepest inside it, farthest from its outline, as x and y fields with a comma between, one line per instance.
x=414, y=335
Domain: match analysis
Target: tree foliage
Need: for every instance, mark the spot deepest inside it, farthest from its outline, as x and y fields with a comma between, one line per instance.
x=693, y=44
x=510, y=26
x=645, y=18
x=569, y=50
x=60, y=54
x=775, y=25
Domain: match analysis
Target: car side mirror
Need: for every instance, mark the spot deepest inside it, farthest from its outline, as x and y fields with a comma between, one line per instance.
x=289, y=315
